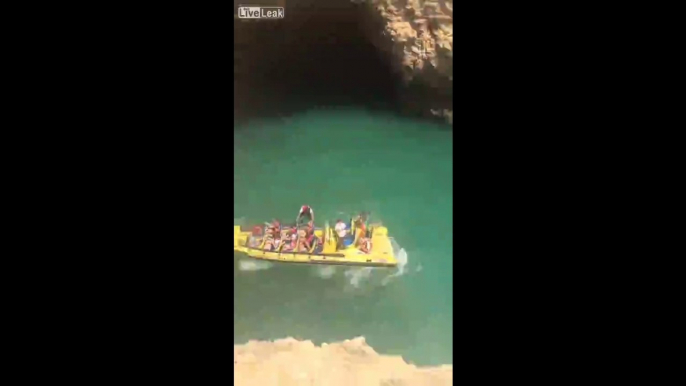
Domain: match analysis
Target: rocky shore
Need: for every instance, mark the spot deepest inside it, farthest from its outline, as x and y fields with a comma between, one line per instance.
x=351, y=362
x=418, y=36
x=323, y=45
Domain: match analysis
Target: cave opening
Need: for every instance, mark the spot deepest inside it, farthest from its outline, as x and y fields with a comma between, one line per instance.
x=318, y=55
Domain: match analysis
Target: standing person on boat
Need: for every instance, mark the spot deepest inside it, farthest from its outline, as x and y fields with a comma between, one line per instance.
x=305, y=212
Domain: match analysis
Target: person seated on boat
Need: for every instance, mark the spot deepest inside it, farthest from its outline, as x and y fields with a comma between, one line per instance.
x=269, y=242
x=306, y=213
x=305, y=238
x=276, y=224
x=365, y=244
x=285, y=234
x=277, y=241
x=272, y=232
x=300, y=240
x=294, y=240
x=288, y=238
x=272, y=227
x=310, y=238
x=341, y=228
x=359, y=228
x=361, y=221
x=310, y=241
x=341, y=231
x=285, y=237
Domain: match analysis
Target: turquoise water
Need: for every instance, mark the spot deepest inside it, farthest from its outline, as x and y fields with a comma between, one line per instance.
x=341, y=162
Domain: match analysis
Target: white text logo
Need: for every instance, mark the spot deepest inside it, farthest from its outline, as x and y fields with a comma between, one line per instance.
x=258, y=12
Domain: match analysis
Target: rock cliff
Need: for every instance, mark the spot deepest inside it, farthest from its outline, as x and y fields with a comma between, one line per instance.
x=380, y=54
x=352, y=362
x=418, y=36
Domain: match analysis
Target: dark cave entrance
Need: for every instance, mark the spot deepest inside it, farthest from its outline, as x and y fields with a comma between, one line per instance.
x=317, y=56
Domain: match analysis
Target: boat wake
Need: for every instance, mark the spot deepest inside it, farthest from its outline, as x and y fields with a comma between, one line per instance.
x=357, y=277
x=253, y=265
x=325, y=272
x=402, y=258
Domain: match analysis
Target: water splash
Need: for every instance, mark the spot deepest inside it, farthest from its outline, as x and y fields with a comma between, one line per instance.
x=356, y=276
x=403, y=259
x=325, y=272
x=253, y=265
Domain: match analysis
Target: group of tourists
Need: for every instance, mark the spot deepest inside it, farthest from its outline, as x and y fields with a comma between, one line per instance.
x=283, y=238
x=346, y=233
x=301, y=238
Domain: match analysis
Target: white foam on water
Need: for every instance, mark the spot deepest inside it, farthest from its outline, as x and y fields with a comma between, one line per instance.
x=253, y=265
x=403, y=259
x=325, y=272
x=356, y=276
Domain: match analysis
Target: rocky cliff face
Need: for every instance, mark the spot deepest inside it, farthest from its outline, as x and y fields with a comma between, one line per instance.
x=379, y=54
x=352, y=362
x=418, y=36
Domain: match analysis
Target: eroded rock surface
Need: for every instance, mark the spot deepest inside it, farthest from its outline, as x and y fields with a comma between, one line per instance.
x=352, y=362
x=418, y=35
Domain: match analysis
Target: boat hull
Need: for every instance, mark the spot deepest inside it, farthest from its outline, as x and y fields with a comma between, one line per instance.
x=381, y=255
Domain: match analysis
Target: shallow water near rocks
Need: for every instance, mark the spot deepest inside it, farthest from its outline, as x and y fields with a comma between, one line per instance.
x=341, y=162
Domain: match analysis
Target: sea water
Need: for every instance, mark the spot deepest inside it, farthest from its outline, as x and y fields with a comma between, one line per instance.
x=341, y=162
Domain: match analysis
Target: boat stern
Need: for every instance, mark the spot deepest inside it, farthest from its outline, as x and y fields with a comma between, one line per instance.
x=239, y=237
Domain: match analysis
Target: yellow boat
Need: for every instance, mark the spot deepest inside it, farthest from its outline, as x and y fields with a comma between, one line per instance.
x=326, y=252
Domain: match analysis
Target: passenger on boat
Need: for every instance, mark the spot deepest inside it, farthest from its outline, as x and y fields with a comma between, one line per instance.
x=341, y=228
x=360, y=228
x=365, y=244
x=286, y=239
x=305, y=212
x=294, y=240
x=362, y=220
x=300, y=240
x=305, y=238
x=309, y=241
x=269, y=242
x=273, y=226
x=269, y=235
x=342, y=231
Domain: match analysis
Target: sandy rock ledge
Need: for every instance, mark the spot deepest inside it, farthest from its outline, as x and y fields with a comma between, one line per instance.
x=351, y=362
